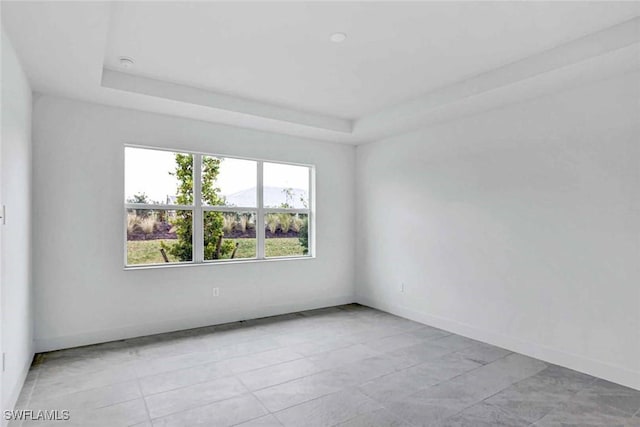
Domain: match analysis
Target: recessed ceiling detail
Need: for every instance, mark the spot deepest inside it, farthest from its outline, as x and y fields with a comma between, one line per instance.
x=157, y=88
x=402, y=66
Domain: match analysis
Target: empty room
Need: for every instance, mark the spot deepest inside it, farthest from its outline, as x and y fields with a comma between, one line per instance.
x=316, y=214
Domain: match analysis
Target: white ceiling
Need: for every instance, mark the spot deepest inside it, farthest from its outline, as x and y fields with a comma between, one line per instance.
x=271, y=65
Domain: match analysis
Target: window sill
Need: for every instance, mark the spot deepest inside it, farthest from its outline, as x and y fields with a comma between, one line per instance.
x=212, y=263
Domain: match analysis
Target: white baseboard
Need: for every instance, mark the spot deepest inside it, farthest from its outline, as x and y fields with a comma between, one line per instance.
x=609, y=372
x=14, y=394
x=170, y=325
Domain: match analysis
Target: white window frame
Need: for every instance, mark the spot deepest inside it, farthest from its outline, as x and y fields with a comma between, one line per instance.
x=198, y=209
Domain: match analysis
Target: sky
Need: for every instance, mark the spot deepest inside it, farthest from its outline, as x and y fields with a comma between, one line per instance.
x=147, y=171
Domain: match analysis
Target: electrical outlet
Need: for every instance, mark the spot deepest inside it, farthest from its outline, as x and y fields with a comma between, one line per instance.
x=216, y=292
x=402, y=287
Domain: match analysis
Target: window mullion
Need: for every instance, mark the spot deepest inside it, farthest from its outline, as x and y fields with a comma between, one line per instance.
x=260, y=220
x=198, y=224
x=311, y=220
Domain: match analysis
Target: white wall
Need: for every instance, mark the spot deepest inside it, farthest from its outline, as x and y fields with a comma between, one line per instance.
x=519, y=227
x=83, y=294
x=15, y=253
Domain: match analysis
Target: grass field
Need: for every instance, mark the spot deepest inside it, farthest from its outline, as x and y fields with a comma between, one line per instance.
x=148, y=251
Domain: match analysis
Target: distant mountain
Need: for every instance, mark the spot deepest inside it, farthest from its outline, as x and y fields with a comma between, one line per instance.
x=274, y=197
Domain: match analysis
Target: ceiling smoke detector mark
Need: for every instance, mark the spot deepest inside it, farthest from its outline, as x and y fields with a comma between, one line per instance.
x=338, y=37
x=126, y=62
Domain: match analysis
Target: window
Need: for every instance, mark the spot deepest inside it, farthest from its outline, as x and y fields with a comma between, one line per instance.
x=199, y=208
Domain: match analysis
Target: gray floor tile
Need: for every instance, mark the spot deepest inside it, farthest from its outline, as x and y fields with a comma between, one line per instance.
x=399, y=322
x=126, y=413
x=584, y=414
x=89, y=399
x=483, y=353
x=188, y=397
x=377, y=418
x=419, y=353
x=367, y=369
x=422, y=412
x=278, y=374
x=60, y=380
x=536, y=396
x=342, y=356
x=363, y=333
x=347, y=365
x=456, y=342
x=393, y=342
x=397, y=385
x=496, y=376
x=446, y=367
x=301, y=390
x=266, y=421
x=182, y=377
x=323, y=345
x=408, y=381
x=260, y=360
x=611, y=395
x=434, y=404
x=484, y=415
x=220, y=414
x=229, y=351
x=146, y=368
x=119, y=415
x=429, y=333
x=328, y=410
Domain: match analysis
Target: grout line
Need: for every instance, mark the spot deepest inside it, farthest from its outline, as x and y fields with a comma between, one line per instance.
x=312, y=322
x=146, y=407
x=228, y=374
x=445, y=381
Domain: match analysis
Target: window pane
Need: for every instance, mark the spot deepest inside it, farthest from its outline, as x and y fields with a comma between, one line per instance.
x=229, y=182
x=158, y=177
x=229, y=235
x=155, y=234
x=286, y=186
x=286, y=234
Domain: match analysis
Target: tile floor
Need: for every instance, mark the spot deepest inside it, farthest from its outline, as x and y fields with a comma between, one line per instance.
x=343, y=366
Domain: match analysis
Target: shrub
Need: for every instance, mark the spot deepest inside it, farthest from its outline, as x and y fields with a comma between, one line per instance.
x=244, y=219
x=133, y=224
x=140, y=224
x=272, y=222
x=229, y=221
x=148, y=224
x=285, y=220
x=296, y=224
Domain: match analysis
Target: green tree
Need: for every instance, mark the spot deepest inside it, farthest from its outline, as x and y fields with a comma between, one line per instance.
x=303, y=236
x=214, y=246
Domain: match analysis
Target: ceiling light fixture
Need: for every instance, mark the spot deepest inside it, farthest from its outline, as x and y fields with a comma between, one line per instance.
x=126, y=62
x=338, y=37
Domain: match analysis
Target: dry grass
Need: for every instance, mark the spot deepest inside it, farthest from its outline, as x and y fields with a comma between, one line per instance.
x=272, y=222
x=296, y=224
x=285, y=220
x=137, y=224
x=148, y=224
x=244, y=219
x=229, y=221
